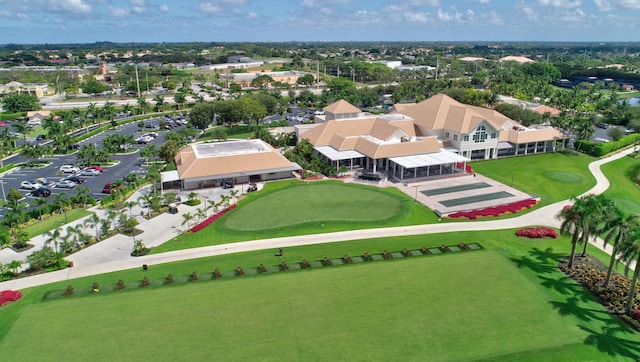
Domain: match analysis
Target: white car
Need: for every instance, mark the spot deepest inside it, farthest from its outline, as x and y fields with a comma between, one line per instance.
x=65, y=184
x=88, y=172
x=30, y=185
x=69, y=169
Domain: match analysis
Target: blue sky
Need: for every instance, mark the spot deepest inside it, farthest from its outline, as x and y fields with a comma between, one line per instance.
x=88, y=21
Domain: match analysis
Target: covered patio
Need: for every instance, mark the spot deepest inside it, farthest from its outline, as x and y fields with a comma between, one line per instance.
x=416, y=167
x=351, y=159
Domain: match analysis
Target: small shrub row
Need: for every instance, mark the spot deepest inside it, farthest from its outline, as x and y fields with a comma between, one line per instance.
x=239, y=271
x=8, y=296
x=601, y=149
x=537, y=233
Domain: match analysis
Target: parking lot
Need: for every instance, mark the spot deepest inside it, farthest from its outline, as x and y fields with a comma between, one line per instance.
x=127, y=163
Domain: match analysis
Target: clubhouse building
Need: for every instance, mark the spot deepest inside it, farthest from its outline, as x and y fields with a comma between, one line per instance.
x=210, y=164
x=433, y=138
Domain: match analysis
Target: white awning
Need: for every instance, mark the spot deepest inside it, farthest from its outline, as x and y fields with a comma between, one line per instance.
x=335, y=155
x=428, y=159
x=168, y=176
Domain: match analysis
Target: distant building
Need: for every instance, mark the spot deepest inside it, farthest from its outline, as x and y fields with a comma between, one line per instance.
x=245, y=79
x=36, y=89
x=520, y=60
x=472, y=59
x=239, y=59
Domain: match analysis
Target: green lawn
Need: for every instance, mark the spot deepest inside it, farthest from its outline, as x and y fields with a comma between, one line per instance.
x=508, y=302
x=623, y=191
x=56, y=221
x=290, y=198
x=314, y=203
x=552, y=176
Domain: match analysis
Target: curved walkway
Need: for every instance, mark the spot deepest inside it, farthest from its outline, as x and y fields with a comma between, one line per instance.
x=544, y=216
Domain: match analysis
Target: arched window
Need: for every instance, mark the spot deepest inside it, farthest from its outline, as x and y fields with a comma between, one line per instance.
x=481, y=134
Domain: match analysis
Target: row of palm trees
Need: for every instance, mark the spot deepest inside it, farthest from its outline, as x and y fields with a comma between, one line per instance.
x=200, y=214
x=591, y=216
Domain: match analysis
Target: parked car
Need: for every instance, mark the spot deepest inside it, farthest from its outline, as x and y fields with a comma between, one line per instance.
x=95, y=167
x=109, y=188
x=69, y=169
x=42, y=180
x=30, y=185
x=75, y=179
x=65, y=184
x=41, y=192
x=88, y=172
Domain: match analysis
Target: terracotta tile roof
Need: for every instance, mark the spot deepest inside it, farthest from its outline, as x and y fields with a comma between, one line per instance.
x=202, y=159
x=340, y=107
x=544, y=109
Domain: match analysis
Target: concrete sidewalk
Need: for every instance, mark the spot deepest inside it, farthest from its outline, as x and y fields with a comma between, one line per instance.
x=113, y=254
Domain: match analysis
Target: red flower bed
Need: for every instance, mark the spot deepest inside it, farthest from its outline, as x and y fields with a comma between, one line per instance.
x=537, y=233
x=211, y=219
x=494, y=211
x=9, y=296
x=467, y=168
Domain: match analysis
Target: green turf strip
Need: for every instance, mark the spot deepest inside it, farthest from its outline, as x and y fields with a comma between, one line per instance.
x=424, y=308
x=451, y=189
x=476, y=198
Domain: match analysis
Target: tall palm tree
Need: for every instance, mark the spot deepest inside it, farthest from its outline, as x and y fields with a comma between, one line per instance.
x=130, y=205
x=620, y=233
x=572, y=223
x=38, y=202
x=159, y=100
x=83, y=194
x=94, y=221
x=600, y=212
x=75, y=233
x=187, y=217
x=630, y=251
x=53, y=236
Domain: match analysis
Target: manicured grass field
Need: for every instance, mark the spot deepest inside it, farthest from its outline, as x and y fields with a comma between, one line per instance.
x=300, y=208
x=314, y=203
x=552, y=176
x=56, y=221
x=622, y=190
x=508, y=302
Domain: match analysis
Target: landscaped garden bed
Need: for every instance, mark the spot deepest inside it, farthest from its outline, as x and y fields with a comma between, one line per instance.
x=511, y=208
x=591, y=273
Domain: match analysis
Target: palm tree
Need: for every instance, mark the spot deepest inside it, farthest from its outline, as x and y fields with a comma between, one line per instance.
x=225, y=200
x=52, y=237
x=111, y=216
x=599, y=214
x=572, y=224
x=131, y=205
x=108, y=111
x=187, y=217
x=146, y=201
x=180, y=98
x=38, y=202
x=83, y=194
x=159, y=100
x=75, y=233
x=214, y=205
x=14, y=265
x=234, y=195
x=620, y=232
x=200, y=214
x=630, y=251
x=94, y=221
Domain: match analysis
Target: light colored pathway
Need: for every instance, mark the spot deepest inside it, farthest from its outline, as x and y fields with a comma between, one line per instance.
x=107, y=260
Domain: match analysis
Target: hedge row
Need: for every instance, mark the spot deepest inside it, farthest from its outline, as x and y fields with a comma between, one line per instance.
x=601, y=149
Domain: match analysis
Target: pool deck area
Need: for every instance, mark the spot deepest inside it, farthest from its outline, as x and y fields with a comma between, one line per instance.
x=433, y=192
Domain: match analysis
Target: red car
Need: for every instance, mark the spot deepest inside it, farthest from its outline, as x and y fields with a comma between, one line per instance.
x=109, y=187
x=96, y=167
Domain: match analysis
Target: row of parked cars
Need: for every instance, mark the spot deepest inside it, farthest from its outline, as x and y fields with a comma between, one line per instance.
x=40, y=186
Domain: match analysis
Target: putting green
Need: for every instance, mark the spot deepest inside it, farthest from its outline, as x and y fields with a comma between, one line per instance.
x=314, y=203
x=563, y=176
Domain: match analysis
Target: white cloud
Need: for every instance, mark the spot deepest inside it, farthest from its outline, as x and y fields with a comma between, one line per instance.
x=432, y=3
x=252, y=15
x=163, y=8
x=417, y=17
x=560, y=3
x=137, y=2
x=118, y=12
x=210, y=8
x=628, y=4
x=602, y=5
x=72, y=6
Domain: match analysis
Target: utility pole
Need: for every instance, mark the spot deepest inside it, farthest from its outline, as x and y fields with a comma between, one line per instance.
x=137, y=81
x=317, y=73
